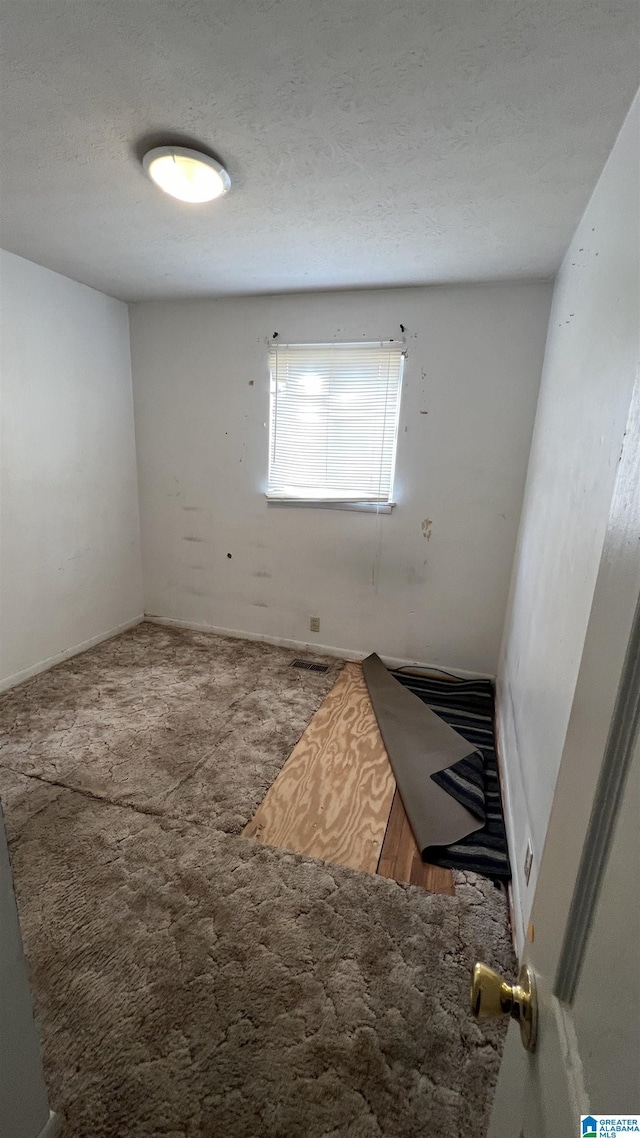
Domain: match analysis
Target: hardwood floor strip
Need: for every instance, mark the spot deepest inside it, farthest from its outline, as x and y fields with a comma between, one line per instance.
x=400, y=857
x=387, y=862
x=333, y=796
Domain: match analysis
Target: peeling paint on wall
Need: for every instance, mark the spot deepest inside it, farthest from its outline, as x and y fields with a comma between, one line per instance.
x=427, y=526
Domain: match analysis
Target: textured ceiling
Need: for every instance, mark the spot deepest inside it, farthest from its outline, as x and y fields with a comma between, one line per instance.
x=369, y=142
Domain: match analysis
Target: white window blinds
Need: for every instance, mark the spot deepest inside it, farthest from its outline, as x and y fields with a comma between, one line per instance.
x=334, y=421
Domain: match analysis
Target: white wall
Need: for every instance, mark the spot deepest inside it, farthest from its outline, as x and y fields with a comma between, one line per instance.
x=201, y=392
x=591, y=362
x=70, y=556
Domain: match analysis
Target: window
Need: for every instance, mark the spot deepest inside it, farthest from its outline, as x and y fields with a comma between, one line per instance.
x=334, y=422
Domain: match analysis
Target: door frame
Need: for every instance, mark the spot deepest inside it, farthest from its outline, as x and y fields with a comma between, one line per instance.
x=598, y=749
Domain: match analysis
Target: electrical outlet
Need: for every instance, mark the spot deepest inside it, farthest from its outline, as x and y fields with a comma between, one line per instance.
x=528, y=862
x=314, y=623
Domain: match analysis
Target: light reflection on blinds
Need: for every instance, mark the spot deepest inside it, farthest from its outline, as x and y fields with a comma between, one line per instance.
x=334, y=421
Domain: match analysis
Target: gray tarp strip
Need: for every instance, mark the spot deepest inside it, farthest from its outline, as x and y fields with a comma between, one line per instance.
x=418, y=744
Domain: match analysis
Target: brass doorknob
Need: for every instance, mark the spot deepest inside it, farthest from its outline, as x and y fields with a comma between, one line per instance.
x=492, y=996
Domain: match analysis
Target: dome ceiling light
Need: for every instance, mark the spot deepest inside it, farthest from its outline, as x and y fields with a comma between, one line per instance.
x=186, y=174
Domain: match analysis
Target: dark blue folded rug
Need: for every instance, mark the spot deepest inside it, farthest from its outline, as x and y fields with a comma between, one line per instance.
x=468, y=707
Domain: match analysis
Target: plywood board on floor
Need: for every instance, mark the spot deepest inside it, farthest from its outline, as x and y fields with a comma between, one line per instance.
x=401, y=860
x=333, y=796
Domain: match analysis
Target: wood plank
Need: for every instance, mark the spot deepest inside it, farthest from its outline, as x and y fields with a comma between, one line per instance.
x=400, y=858
x=387, y=862
x=336, y=797
x=333, y=796
x=406, y=846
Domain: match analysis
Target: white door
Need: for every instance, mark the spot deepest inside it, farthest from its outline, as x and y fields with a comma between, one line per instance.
x=583, y=942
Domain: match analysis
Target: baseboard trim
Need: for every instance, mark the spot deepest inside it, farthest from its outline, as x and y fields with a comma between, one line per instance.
x=307, y=646
x=51, y=661
x=504, y=710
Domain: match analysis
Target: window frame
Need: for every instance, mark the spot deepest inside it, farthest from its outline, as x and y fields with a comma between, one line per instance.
x=345, y=502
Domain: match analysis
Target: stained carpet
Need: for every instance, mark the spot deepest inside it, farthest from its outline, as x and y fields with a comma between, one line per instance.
x=190, y=983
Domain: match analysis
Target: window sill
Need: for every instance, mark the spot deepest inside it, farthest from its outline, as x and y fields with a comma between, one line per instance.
x=330, y=504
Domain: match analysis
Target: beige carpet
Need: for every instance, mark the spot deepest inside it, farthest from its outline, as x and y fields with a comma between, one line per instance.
x=177, y=723
x=190, y=983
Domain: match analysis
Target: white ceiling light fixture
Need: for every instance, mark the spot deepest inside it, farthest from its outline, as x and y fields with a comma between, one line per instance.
x=186, y=174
